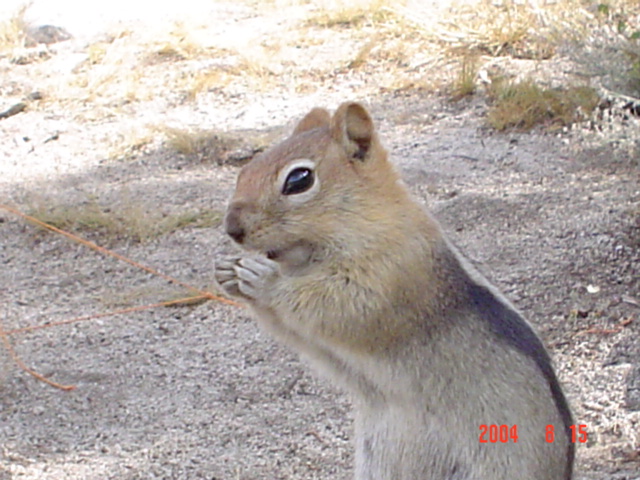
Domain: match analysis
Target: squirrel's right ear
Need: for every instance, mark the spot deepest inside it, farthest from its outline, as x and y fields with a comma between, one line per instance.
x=352, y=127
x=316, y=118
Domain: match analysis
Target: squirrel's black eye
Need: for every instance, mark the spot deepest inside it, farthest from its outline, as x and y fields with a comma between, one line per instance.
x=299, y=180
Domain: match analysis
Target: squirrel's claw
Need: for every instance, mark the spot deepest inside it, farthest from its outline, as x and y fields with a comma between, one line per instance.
x=246, y=277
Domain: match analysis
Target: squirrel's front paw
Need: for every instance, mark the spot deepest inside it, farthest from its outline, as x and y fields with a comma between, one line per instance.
x=247, y=277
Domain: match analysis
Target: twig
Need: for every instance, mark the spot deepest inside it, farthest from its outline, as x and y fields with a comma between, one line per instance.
x=4, y=334
x=171, y=303
x=13, y=110
x=14, y=356
x=122, y=258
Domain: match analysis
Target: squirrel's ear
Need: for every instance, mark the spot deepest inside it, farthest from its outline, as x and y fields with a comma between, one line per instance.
x=316, y=118
x=353, y=128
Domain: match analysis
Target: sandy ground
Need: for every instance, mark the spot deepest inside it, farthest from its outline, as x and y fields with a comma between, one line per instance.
x=198, y=392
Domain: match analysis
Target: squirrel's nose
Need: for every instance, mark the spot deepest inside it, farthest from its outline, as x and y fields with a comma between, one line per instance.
x=232, y=224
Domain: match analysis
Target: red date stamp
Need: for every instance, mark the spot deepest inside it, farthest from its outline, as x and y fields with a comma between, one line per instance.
x=498, y=433
x=578, y=433
x=509, y=433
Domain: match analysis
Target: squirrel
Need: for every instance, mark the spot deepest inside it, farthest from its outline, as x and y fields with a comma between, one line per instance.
x=341, y=263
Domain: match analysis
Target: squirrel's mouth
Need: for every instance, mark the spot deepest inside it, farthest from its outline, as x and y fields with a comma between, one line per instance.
x=297, y=254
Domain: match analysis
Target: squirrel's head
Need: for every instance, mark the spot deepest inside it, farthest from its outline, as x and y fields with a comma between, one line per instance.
x=324, y=189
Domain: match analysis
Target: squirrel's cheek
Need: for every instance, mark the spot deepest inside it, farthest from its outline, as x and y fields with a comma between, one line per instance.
x=293, y=259
x=299, y=255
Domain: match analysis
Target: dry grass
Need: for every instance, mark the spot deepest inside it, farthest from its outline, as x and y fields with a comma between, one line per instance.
x=130, y=140
x=397, y=43
x=205, y=144
x=352, y=14
x=177, y=46
x=13, y=31
x=388, y=44
x=464, y=83
x=390, y=38
x=622, y=18
x=218, y=146
x=523, y=105
x=256, y=67
x=400, y=42
x=203, y=82
x=634, y=71
x=509, y=27
x=171, y=51
x=364, y=52
x=128, y=222
x=132, y=66
x=188, y=142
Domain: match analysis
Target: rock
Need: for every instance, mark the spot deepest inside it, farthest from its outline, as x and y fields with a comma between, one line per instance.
x=46, y=34
x=633, y=389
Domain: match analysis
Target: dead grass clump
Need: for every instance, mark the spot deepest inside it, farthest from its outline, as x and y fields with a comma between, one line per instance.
x=379, y=39
x=523, y=105
x=634, y=71
x=508, y=27
x=178, y=44
x=464, y=83
x=424, y=34
x=345, y=14
x=363, y=53
x=212, y=145
x=257, y=67
x=130, y=140
x=206, y=81
x=13, y=31
x=129, y=221
x=97, y=52
x=206, y=144
x=172, y=51
x=133, y=66
x=622, y=20
x=112, y=76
